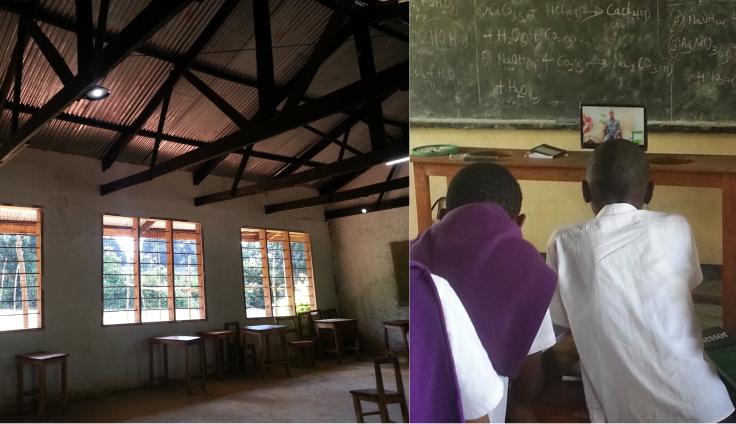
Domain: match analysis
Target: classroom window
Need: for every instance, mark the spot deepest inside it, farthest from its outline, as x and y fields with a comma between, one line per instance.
x=151, y=271
x=277, y=272
x=20, y=268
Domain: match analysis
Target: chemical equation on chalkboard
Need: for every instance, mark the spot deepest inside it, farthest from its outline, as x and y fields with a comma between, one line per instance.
x=516, y=93
x=440, y=34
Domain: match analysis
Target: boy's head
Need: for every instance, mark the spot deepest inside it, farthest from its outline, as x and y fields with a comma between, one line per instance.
x=618, y=172
x=486, y=182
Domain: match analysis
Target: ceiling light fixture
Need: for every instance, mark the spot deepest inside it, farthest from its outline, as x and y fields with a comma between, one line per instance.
x=97, y=92
x=395, y=161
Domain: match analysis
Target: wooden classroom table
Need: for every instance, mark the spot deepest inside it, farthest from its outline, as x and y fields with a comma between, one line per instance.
x=185, y=342
x=39, y=361
x=710, y=171
x=218, y=338
x=262, y=333
x=338, y=326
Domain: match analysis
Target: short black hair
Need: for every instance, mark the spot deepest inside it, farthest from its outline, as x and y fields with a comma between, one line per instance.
x=485, y=182
x=618, y=172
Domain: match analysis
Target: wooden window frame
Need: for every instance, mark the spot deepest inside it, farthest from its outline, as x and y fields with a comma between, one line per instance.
x=170, y=275
x=288, y=271
x=40, y=295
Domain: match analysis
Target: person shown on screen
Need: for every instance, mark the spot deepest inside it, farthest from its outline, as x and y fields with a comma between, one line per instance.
x=479, y=298
x=612, y=128
x=625, y=279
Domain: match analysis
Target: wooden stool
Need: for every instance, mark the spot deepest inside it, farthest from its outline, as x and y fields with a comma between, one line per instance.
x=403, y=325
x=185, y=342
x=380, y=395
x=262, y=332
x=40, y=360
x=218, y=338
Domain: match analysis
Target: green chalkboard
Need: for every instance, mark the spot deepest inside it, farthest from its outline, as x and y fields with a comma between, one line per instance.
x=532, y=62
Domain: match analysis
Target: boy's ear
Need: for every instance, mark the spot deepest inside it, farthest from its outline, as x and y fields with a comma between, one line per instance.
x=649, y=193
x=520, y=220
x=586, y=192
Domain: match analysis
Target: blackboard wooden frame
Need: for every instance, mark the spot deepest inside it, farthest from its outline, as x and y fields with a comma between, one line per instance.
x=524, y=124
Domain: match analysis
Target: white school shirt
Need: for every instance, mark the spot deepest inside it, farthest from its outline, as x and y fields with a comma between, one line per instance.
x=624, y=282
x=482, y=390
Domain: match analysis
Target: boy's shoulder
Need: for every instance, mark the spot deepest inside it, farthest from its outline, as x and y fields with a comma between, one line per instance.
x=670, y=221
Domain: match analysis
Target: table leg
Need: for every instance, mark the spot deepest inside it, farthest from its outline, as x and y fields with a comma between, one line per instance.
x=422, y=196
x=236, y=345
x=729, y=254
x=150, y=359
x=261, y=357
x=357, y=343
x=338, y=350
x=268, y=351
x=64, y=391
x=19, y=367
x=218, y=357
x=188, y=366
x=385, y=340
x=286, y=352
x=203, y=364
x=166, y=363
x=42, y=391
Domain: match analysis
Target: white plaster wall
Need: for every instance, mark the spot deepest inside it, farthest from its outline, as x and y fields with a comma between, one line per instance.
x=67, y=188
x=364, y=271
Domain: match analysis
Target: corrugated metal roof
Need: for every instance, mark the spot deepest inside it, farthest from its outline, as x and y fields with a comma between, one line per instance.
x=295, y=25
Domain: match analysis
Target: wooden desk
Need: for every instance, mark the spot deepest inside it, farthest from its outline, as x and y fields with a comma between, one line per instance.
x=339, y=328
x=185, y=342
x=218, y=338
x=710, y=171
x=262, y=333
x=403, y=325
x=40, y=360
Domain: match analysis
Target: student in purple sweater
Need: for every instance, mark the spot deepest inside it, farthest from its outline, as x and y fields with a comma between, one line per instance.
x=479, y=300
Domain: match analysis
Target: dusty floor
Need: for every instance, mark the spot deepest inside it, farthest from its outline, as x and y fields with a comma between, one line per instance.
x=318, y=394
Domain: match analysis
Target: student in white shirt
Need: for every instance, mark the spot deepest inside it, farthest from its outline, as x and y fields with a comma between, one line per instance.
x=624, y=286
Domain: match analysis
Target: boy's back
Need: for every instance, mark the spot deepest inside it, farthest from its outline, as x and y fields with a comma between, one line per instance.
x=624, y=290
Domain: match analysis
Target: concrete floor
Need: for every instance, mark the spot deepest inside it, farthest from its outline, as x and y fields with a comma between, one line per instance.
x=318, y=394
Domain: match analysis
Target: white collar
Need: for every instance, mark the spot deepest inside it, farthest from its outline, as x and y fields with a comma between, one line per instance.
x=615, y=209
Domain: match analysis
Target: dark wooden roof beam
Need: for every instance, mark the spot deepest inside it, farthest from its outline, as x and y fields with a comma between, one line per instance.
x=340, y=196
x=345, y=98
x=49, y=51
x=148, y=21
x=390, y=176
x=333, y=36
x=85, y=36
x=337, y=168
x=383, y=11
x=114, y=151
x=367, y=66
x=204, y=37
x=161, y=124
x=68, y=24
x=399, y=202
x=111, y=126
x=264, y=57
